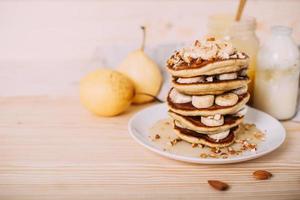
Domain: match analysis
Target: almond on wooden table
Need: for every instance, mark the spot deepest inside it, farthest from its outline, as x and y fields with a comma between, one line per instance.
x=218, y=185
x=262, y=175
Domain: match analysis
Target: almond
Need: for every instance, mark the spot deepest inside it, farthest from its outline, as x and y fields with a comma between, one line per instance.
x=218, y=185
x=262, y=175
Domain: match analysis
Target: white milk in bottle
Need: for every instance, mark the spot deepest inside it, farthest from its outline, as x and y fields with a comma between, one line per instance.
x=277, y=75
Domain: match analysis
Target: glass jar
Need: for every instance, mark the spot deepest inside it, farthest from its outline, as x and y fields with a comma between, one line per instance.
x=277, y=80
x=241, y=34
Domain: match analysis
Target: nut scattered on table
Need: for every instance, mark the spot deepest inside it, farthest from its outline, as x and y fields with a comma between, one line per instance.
x=262, y=175
x=218, y=185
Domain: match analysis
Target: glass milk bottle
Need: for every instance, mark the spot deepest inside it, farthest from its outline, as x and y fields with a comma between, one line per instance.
x=277, y=75
x=241, y=34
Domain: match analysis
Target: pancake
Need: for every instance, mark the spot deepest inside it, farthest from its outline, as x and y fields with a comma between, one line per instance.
x=216, y=87
x=187, y=109
x=194, y=137
x=208, y=67
x=194, y=123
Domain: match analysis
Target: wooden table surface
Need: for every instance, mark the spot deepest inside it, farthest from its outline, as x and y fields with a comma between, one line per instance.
x=52, y=148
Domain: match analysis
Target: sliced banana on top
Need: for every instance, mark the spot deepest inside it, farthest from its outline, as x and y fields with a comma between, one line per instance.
x=219, y=136
x=228, y=99
x=198, y=79
x=216, y=120
x=241, y=90
x=228, y=76
x=177, y=97
x=203, y=101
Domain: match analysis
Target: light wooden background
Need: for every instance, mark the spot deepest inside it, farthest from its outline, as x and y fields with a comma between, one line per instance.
x=52, y=148
x=46, y=46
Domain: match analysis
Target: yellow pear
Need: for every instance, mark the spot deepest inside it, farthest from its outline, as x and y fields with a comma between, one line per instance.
x=106, y=92
x=144, y=73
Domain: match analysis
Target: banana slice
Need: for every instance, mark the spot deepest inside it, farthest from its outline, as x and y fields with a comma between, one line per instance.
x=228, y=76
x=209, y=79
x=216, y=120
x=241, y=90
x=228, y=99
x=203, y=101
x=243, y=72
x=198, y=79
x=242, y=112
x=219, y=136
x=234, y=56
x=177, y=97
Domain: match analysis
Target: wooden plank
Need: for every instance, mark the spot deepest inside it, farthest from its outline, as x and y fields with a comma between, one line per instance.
x=52, y=148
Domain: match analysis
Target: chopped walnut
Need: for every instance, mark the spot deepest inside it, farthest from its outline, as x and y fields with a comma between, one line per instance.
x=252, y=146
x=231, y=151
x=224, y=157
x=258, y=135
x=243, y=148
x=157, y=137
x=203, y=155
x=248, y=126
x=194, y=145
x=238, y=141
x=215, y=150
x=197, y=43
x=213, y=155
x=208, y=49
x=211, y=39
x=175, y=141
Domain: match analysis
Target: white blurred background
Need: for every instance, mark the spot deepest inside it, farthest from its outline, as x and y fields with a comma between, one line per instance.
x=46, y=46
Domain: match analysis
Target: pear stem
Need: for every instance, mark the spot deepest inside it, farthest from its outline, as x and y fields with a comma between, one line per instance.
x=144, y=38
x=150, y=95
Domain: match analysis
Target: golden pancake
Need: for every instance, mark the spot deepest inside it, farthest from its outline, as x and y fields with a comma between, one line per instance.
x=216, y=87
x=208, y=67
x=194, y=123
x=196, y=138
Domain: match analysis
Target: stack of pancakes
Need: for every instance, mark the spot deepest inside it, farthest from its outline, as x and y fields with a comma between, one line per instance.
x=207, y=101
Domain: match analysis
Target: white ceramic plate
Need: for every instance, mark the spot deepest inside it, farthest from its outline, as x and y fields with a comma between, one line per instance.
x=142, y=121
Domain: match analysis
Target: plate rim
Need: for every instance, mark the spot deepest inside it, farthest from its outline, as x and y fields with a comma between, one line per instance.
x=195, y=159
